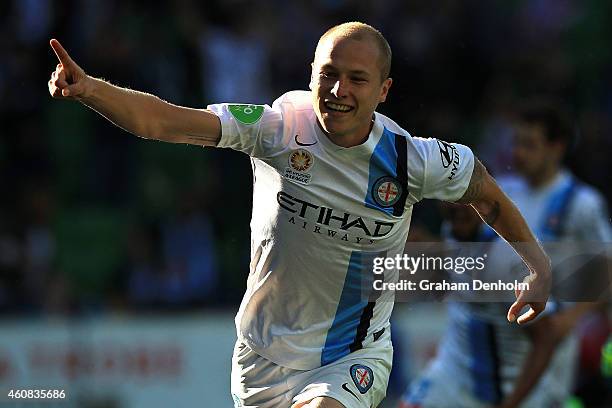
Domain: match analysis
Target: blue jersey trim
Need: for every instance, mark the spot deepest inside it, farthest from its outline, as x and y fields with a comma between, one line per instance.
x=383, y=163
x=553, y=224
x=485, y=364
x=354, y=310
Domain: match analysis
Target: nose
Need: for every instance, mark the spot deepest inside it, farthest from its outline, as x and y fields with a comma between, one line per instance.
x=339, y=90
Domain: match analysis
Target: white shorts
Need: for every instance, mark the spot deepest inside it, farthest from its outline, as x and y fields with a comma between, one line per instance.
x=357, y=380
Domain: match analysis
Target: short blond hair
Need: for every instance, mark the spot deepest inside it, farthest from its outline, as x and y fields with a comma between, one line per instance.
x=359, y=31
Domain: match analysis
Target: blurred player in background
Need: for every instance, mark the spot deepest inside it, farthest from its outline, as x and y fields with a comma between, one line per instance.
x=481, y=361
x=334, y=186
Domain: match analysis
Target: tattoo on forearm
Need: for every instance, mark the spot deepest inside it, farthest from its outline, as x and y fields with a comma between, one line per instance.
x=491, y=216
x=477, y=181
x=489, y=211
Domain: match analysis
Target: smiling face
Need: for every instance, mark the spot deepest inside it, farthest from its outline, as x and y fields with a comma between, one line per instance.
x=347, y=86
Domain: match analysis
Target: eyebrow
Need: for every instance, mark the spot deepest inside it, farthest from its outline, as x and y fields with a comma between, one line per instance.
x=352, y=72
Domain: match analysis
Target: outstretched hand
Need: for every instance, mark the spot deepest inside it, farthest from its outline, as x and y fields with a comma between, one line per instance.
x=68, y=81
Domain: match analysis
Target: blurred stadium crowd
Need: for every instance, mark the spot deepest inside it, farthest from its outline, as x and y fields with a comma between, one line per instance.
x=93, y=219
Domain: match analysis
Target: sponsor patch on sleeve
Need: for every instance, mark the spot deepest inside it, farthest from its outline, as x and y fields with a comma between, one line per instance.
x=246, y=114
x=449, y=157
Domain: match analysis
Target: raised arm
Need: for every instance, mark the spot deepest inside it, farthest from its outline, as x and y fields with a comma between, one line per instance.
x=498, y=211
x=142, y=114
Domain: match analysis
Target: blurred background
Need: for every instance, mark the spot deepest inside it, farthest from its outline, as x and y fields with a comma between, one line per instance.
x=123, y=261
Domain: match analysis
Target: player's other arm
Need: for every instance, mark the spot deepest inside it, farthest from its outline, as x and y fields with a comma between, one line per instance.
x=139, y=113
x=498, y=211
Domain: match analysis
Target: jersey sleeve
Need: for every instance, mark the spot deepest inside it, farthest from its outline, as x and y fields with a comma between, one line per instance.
x=446, y=169
x=592, y=222
x=251, y=129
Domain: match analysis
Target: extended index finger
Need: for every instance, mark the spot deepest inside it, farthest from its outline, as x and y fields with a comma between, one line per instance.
x=60, y=52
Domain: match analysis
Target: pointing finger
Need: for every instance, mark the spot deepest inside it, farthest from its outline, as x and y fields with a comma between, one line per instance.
x=60, y=52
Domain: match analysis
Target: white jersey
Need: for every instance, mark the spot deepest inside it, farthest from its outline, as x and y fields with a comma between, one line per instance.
x=480, y=349
x=321, y=213
x=564, y=210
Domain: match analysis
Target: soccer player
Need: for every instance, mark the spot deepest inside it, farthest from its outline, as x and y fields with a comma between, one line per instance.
x=334, y=186
x=482, y=362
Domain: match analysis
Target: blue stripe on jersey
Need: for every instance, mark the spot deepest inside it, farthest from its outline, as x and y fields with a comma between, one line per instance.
x=554, y=217
x=383, y=162
x=353, y=300
x=484, y=361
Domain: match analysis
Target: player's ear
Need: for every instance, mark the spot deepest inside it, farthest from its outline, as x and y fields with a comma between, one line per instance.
x=384, y=90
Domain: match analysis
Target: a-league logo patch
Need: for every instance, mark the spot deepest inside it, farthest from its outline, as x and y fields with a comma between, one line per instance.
x=362, y=376
x=386, y=191
x=247, y=114
x=301, y=160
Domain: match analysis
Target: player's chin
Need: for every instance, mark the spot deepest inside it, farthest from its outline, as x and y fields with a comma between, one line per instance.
x=336, y=119
x=332, y=127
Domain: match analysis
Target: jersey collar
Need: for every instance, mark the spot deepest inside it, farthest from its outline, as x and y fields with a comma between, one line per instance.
x=365, y=148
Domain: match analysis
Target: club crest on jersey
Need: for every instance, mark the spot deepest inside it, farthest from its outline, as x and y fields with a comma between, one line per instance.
x=362, y=376
x=386, y=191
x=300, y=162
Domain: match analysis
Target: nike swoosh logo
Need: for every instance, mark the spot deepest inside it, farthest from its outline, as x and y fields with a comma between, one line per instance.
x=378, y=334
x=345, y=388
x=303, y=144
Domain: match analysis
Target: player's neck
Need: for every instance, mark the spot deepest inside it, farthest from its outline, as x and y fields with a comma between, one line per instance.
x=349, y=140
x=544, y=177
